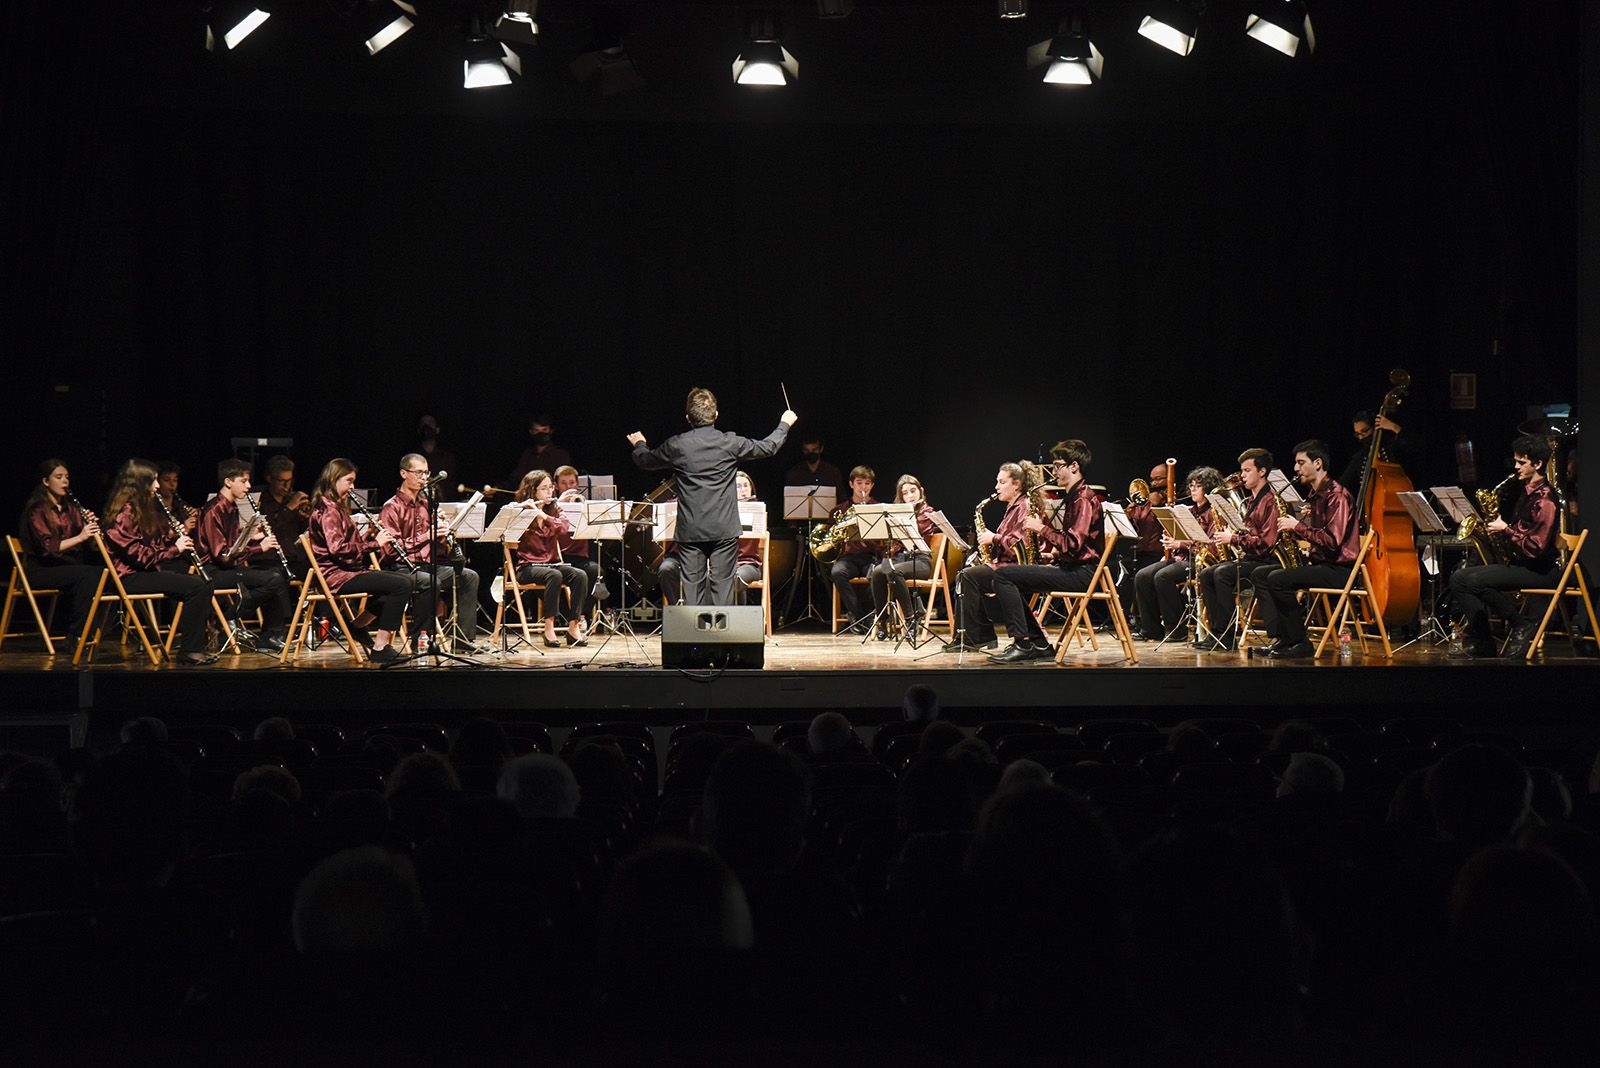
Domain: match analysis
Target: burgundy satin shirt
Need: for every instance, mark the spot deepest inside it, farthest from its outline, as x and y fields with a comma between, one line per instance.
x=1002, y=550
x=1329, y=524
x=1261, y=521
x=286, y=523
x=1532, y=527
x=1083, y=535
x=407, y=520
x=1143, y=518
x=46, y=527
x=340, y=550
x=131, y=551
x=540, y=545
x=216, y=532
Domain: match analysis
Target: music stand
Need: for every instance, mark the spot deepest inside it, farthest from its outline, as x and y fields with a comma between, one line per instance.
x=600, y=521
x=509, y=525
x=1433, y=528
x=889, y=523
x=465, y=521
x=806, y=505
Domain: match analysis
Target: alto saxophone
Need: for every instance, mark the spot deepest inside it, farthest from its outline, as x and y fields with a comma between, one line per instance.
x=978, y=530
x=1285, y=548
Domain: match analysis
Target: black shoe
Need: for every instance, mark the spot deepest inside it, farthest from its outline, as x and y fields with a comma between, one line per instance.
x=197, y=659
x=387, y=655
x=362, y=635
x=269, y=643
x=972, y=647
x=1475, y=649
x=1297, y=651
x=1207, y=645
x=581, y=640
x=1015, y=653
x=858, y=625
x=1521, y=637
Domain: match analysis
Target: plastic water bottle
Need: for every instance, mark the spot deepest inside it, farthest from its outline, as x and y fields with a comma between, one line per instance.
x=1345, y=654
x=422, y=643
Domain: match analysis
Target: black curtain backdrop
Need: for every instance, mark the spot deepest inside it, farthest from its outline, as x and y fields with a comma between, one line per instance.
x=949, y=267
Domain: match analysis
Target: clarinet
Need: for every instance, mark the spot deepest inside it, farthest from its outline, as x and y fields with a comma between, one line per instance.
x=88, y=516
x=283, y=561
x=179, y=532
x=405, y=557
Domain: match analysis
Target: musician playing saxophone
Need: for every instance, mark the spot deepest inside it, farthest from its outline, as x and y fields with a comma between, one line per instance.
x=1158, y=585
x=856, y=558
x=1531, y=535
x=1076, y=545
x=407, y=515
x=1253, y=560
x=976, y=580
x=263, y=586
x=1328, y=524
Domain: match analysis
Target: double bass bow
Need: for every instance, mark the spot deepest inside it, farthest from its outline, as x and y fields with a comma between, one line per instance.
x=1396, y=578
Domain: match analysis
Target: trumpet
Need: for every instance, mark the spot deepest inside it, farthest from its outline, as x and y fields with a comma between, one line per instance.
x=405, y=558
x=487, y=491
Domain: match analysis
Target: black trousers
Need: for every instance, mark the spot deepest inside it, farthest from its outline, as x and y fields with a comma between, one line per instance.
x=258, y=587
x=1013, y=585
x=856, y=603
x=973, y=584
x=891, y=573
x=553, y=577
x=77, y=583
x=466, y=595
x=191, y=591
x=1219, y=583
x=707, y=570
x=394, y=592
x=1158, y=590
x=670, y=576
x=1284, y=582
x=1477, y=590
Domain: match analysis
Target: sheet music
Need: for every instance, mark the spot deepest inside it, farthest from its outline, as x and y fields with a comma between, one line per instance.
x=465, y=519
x=1456, y=503
x=595, y=520
x=509, y=524
x=890, y=522
x=598, y=487
x=1055, y=512
x=948, y=531
x=1169, y=522
x=752, y=519
x=664, y=517
x=1284, y=488
x=809, y=502
x=247, y=531
x=1220, y=505
x=1421, y=512
x=1117, y=521
x=1186, y=521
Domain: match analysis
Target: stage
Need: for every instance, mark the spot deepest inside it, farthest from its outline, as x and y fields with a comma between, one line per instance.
x=623, y=678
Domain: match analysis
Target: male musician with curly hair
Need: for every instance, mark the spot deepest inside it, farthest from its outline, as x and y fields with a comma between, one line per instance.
x=1328, y=524
x=1531, y=534
x=1075, y=547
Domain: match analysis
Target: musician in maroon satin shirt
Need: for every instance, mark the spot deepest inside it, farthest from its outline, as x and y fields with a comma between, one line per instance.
x=1530, y=532
x=341, y=552
x=538, y=558
x=978, y=615
x=900, y=563
x=408, y=515
x=254, y=571
x=57, y=535
x=1254, y=559
x=1328, y=524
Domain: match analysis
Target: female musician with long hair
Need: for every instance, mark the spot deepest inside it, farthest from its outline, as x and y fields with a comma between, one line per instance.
x=54, y=531
x=1158, y=586
x=140, y=540
x=341, y=552
x=902, y=563
x=538, y=557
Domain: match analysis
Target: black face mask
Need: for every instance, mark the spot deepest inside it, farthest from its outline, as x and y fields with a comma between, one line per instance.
x=542, y=438
x=812, y=457
x=427, y=433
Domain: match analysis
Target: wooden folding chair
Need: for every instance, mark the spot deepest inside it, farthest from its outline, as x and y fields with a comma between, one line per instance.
x=841, y=618
x=1353, y=604
x=314, y=590
x=1570, y=584
x=937, y=585
x=763, y=584
x=512, y=590
x=1101, y=588
x=228, y=642
x=19, y=588
x=129, y=603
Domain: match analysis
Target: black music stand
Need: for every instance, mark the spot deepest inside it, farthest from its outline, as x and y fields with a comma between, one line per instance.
x=1432, y=534
x=808, y=505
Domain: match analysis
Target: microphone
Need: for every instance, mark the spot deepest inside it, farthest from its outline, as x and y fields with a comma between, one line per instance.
x=438, y=476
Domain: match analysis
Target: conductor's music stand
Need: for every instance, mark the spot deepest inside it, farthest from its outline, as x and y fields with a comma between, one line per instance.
x=807, y=505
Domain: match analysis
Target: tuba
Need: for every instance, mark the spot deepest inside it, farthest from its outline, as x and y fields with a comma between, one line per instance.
x=1492, y=548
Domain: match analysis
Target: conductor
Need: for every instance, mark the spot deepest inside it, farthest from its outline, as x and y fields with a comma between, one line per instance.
x=704, y=459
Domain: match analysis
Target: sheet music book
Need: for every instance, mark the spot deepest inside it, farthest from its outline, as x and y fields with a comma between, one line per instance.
x=1186, y=521
x=1117, y=521
x=752, y=519
x=247, y=531
x=1456, y=503
x=595, y=520
x=1220, y=505
x=1421, y=512
x=1169, y=523
x=809, y=503
x=948, y=531
x=1055, y=512
x=465, y=519
x=1284, y=488
x=509, y=524
x=598, y=487
x=890, y=522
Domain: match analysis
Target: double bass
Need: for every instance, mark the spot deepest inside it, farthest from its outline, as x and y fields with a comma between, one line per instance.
x=1392, y=564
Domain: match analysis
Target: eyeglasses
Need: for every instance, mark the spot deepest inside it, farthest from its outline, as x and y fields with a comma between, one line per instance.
x=423, y=472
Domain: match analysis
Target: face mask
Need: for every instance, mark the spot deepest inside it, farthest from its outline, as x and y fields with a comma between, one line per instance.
x=812, y=457
x=542, y=438
x=426, y=432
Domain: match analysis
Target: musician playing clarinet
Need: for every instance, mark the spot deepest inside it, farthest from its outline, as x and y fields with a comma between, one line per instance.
x=140, y=541
x=408, y=515
x=704, y=459
x=1533, y=554
x=1074, y=547
x=1328, y=524
x=55, y=532
x=341, y=552
x=1254, y=545
x=254, y=570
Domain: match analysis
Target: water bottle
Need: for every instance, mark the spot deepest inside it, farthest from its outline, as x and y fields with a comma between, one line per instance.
x=422, y=643
x=1345, y=654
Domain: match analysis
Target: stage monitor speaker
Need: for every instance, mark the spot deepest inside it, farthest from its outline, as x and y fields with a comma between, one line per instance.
x=713, y=636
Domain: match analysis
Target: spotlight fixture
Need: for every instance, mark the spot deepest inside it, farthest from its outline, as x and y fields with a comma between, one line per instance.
x=518, y=22
x=1068, y=58
x=1013, y=9
x=1281, y=24
x=763, y=61
x=232, y=21
x=606, y=62
x=1172, y=24
x=488, y=62
x=380, y=23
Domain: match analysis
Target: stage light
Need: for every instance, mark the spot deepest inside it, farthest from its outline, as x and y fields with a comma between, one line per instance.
x=1069, y=58
x=1172, y=24
x=518, y=22
x=1282, y=24
x=763, y=61
x=380, y=23
x=606, y=62
x=488, y=62
x=233, y=21
x=1013, y=9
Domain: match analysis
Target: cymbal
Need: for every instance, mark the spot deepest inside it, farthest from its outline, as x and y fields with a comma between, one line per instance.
x=1550, y=427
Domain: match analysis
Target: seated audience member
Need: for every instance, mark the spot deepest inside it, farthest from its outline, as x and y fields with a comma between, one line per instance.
x=1311, y=775
x=541, y=786
x=830, y=735
x=920, y=704
x=363, y=902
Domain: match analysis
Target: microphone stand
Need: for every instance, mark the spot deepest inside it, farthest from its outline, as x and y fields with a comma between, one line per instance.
x=430, y=620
